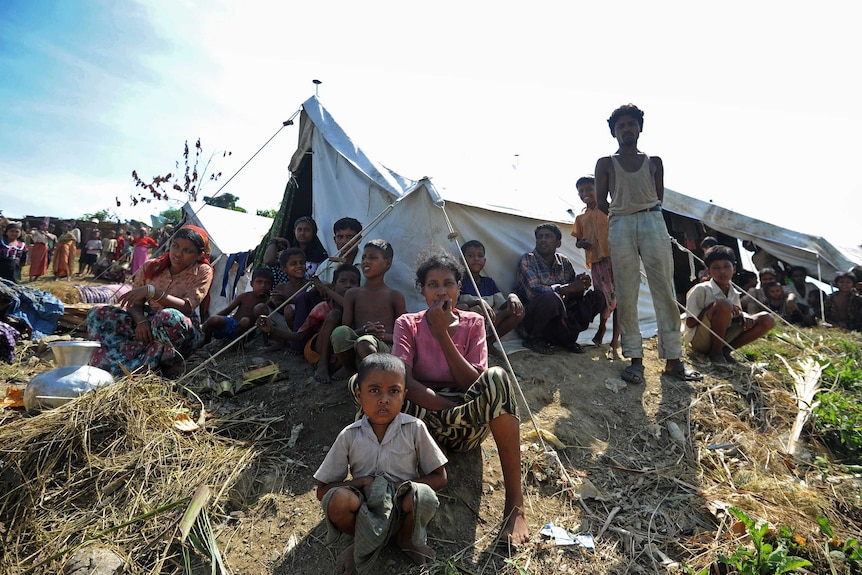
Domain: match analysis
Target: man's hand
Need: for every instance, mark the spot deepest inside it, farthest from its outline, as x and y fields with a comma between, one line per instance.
x=578, y=286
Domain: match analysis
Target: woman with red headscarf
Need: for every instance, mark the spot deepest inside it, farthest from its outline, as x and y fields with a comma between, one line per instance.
x=157, y=323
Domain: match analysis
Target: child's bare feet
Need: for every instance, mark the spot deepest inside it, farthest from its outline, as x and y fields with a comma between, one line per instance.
x=321, y=374
x=419, y=554
x=728, y=357
x=516, y=532
x=345, y=564
x=342, y=373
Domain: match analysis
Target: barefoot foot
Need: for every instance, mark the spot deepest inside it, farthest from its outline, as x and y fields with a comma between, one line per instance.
x=516, y=532
x=342, y=373
x=345, y=564
x=321, y=374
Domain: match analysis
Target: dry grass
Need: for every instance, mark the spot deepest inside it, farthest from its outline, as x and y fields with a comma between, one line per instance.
x=111, y=463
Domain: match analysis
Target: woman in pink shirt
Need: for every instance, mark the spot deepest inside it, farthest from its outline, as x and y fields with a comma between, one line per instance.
x=449, y=384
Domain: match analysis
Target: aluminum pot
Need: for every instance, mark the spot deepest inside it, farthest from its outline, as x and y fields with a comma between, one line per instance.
x=72, y=379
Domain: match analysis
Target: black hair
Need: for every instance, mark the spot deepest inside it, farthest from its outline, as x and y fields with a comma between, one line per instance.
x=191, y=235
x=436, y=258
x=380, y=362
x=841, y=275
x=585, y=180
x=708, y=241
x=383, y=246
x=472, y=244
x=285, y=255
x=626, y=110
x=803, y=269
x=744, y=276
x=549, y=226
x=772, y=284
x=347, y=224
x=767, y=270
x=345, y=268
x=719, y=253
x=264, y=273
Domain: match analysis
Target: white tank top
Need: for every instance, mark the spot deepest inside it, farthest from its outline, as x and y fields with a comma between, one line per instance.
x=633, y=191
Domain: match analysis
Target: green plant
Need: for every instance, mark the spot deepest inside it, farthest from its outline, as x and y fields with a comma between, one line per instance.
x=838, y=418
x=845, y=369
x=848, y=552
x=765, y=559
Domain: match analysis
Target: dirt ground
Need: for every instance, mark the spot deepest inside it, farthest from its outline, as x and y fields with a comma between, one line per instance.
x=650, y=500
x=611, y=438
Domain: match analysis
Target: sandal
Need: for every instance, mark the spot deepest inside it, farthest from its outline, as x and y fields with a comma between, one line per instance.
x=682, y=373
x=633, y=374
x=539, y=345
x=576, y=348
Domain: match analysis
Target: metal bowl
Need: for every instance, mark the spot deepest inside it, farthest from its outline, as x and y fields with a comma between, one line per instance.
x=70, y=353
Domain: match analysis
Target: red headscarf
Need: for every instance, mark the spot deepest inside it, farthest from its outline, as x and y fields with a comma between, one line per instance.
x=163, y=262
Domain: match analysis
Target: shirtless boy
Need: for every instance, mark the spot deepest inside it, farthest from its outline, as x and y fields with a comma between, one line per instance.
x=637, y=232
x=369, y=312
x=225, y=326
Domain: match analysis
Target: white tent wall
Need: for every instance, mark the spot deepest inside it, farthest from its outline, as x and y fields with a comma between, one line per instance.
x=229, y=232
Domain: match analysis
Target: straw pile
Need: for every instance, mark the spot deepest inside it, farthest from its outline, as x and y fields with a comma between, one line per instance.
x=111, y=467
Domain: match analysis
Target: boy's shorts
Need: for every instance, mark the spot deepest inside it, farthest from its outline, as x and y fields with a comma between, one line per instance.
x=701, y=342
x=229, y=329
x=344, y=338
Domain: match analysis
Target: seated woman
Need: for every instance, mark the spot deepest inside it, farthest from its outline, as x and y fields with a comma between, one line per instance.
x=157, y=322
x=449, y=384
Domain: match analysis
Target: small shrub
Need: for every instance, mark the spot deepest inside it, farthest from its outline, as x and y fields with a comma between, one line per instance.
x=765, y=559
x=838, y=419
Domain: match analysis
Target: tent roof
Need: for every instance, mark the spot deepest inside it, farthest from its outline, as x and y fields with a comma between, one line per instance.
x=229, y=231
x=795, y=248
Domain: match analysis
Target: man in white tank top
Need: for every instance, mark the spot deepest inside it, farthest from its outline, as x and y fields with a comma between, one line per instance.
x=637, y=233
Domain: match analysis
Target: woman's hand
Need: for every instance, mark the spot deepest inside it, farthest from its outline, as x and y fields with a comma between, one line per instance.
x=143, y=331
x=133, y=297
x=439, y=316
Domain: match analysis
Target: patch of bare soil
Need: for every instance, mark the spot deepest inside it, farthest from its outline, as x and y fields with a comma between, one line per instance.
x=632, y=485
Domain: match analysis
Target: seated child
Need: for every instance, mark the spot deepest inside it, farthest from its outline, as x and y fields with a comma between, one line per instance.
x=755, y=300
x=292, y=263
x=318, y=325
x=225, y=326
x=784, y=303
x=843, y=308
x=370, y=311
x=395, y=467
x=715, y=324
x=505, y=312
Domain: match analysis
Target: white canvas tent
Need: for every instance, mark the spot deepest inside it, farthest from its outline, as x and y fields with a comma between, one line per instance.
x=331, y=177
x=230, y=232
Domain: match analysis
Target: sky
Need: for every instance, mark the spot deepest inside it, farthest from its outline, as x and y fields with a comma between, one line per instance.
x=749, y=104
